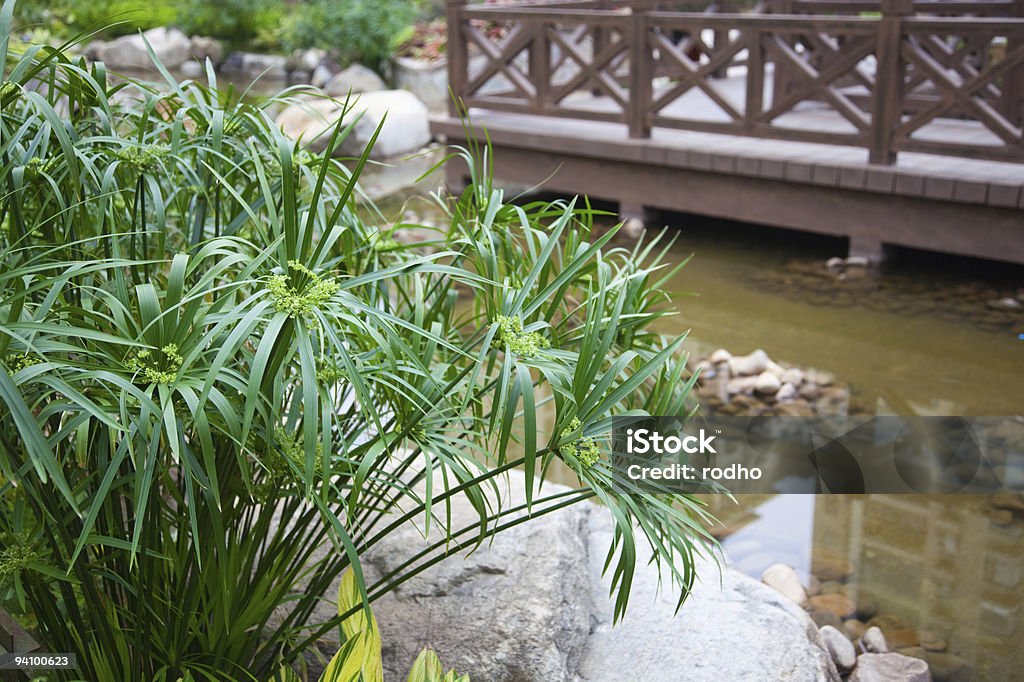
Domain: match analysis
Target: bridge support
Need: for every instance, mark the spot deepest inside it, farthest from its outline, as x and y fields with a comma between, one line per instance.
x=870, y=248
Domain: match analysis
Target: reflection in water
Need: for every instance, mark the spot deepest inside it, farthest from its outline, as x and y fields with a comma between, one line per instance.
x=942, y=569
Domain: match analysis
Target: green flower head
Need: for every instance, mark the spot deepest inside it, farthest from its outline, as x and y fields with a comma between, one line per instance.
x=295, y=303
x=17, y=554
x=511, y=334
x=143, y=158
x=146, y=365
x=583, y=450
x=18, y=361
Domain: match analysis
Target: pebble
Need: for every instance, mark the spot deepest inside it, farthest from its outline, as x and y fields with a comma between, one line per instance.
x=867, y=605
x=786, y=393
x=838, y=604
x=747, y=365
x=1000, y=517
x=833, y=587
x=743, y=385
x=767, y=383
x=932, y=641
x=949, y=668
x=823, y=617
x=873, y=641
x=719, y=356
x=809, y=391
x=902, y=638
x=839, y=647
x=854, y=629
x=829, y=567
x=1013, y=502
x=890, y=668
x=793, y=375
x=1005, y=304
x=784, y=580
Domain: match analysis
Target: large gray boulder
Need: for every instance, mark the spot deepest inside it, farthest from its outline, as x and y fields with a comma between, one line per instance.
x=356, y=78
x=254, y=65
x=171, y=46
x=730, y=628
x=406, y=128
x=531, y=606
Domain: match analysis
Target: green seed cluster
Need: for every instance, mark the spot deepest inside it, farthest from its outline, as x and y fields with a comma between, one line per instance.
x=297, y=303
x=163, y=373
x=143, y=158
x=9, y=89
x=329, y=373
x=16, y=555
x=526, y=344
x=18, y=361
x=584, y=449
x=38, y=167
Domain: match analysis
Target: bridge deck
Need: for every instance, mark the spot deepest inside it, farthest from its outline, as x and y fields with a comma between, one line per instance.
x=941, y=203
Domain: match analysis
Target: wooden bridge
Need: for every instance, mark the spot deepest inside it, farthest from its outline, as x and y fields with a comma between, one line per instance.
x=896, y=122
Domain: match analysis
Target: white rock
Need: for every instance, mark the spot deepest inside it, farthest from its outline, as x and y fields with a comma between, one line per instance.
x=873, y=641
x=834, y=263
x=356, y=78
x=784, y=580
x=405, y=129
x=890, y=668
x=786, y=393
x=633, y=228
x=839, y=647
x=767, y=383
x=191, y=69
x=171, y=47
x=322, y=75
x=745, y=385
x=774, y=367
x=204, y=48
x=793, y=375
x=706, y=369
x=857, y=262
x=719, y=356
x=746, y=365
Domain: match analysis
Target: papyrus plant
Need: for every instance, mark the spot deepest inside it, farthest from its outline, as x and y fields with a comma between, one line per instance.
x=214, y=362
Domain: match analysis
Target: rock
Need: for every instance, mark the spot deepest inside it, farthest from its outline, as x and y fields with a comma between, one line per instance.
x=94, y=50
x=833, y=587
x=254, y=65
x=719, y=356
x=748, y=365
x=204, y=48
x=742, y=385
x=793, y=375
x=829, y=567
x=867, y=605
x=405, y=126
x=706, y=369
x=839, y=604
x=902, y=638
x=306, y=60
x=774, y=367
x=949, y=668
x=839, y=647
x=655, y=646
x=192, y=70
x=1006, y=304
x=819, y=377
x=633, y=228
x=1001, y=517
x=171, y=47
x=887, y=622
x=536, y=573
x=787, y=392
x=854, y=629
x=809, y=391
x=890, y=668
x=793, y=409
x=767, y=383
x=1013, y=502
x=356, y=78
x=913, y=652
x=784, y=580
x=834, y=263
x=322, y=74
x=873, y=641
x=823, y=617
x=931, y=641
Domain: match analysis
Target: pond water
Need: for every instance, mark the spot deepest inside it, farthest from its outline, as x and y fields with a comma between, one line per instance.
x=925, y=336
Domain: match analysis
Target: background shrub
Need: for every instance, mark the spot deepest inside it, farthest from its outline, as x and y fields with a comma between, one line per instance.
x=239, y=22
x=365, y=31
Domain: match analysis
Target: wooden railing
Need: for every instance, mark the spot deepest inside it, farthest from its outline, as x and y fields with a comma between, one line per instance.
x=14, y=639
x=935, y=76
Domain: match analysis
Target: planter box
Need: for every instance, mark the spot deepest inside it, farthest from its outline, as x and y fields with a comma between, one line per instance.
x=426, y=80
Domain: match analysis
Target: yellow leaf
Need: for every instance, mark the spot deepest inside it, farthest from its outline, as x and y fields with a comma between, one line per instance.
x=359, y=659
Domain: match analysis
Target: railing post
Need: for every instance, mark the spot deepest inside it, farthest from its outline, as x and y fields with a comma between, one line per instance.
x=458, y=60
x=755, y=80
x=540, y=65
x=640, y=71
x=888, y=96
x=1013, y=82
